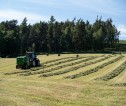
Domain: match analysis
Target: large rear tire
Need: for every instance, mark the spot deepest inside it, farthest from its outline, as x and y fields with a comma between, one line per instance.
x=38, y=63
x=34, y=63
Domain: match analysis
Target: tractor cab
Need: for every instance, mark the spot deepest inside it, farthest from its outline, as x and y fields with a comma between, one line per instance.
x=30, y=55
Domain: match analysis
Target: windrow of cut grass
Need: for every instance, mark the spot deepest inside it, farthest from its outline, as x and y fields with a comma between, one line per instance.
x=90, y=71
x=114, y=73
x=64, y=61
x=75, y=68
x=58, y=67
x=55, y=60
x=102, y=72
x=54, y=64
x=119, y=84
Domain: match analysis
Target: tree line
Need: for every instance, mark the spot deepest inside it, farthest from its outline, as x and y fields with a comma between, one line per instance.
x=54, y=36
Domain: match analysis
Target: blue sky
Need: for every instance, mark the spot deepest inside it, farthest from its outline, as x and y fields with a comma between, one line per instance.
x=36, y=10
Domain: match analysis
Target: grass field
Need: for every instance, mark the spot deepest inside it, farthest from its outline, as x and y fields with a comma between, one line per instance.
x=89, y=80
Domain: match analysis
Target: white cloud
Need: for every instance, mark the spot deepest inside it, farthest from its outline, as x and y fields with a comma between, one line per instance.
x=109, y=7
x=19, y=15
x=42, y=2
x=122, y=29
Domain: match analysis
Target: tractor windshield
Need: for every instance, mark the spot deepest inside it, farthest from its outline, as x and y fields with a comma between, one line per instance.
x=33, y=55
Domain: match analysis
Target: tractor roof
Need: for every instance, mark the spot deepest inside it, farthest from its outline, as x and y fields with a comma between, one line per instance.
x=21, y=56
x=29, y=52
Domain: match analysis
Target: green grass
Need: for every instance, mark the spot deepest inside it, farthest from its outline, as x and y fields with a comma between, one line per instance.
x=16, y=90
x=115, y=72
x=122, y=41
x=90, y=71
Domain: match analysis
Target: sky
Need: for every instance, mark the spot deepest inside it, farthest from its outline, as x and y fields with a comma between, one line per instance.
x=42, y=10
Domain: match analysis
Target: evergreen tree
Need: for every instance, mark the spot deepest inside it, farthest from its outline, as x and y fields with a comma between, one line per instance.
x=54, y=36
x=50, y=38
x=23, y=35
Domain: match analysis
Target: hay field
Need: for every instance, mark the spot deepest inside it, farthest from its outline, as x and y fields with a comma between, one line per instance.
x=89, y=80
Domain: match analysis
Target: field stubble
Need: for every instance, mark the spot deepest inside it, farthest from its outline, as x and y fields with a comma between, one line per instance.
x=32, y=90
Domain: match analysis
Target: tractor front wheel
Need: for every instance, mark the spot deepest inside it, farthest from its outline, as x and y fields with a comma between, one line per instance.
x=26, y=66
x=17, y=66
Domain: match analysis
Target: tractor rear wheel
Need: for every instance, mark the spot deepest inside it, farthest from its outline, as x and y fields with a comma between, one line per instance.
x=34, y=64
x=38, y=63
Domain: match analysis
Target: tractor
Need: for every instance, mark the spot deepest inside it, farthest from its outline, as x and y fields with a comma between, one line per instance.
x=27, y=61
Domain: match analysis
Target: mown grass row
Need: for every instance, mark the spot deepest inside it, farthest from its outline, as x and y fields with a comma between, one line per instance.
x=54, y=64
x=74, y=68
x=90, y=71
x=57, y=68
x=114, y=73
x=16, y=72
x=120, y=84
x=60, y=62
x=50, y=61
x=42, y=67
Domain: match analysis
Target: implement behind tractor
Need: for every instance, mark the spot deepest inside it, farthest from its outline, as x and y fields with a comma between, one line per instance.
x=27, y=61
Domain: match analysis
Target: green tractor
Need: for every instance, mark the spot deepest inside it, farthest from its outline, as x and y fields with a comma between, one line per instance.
x=27, y=61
